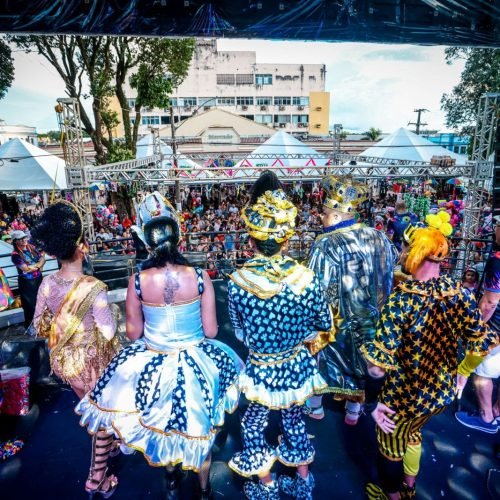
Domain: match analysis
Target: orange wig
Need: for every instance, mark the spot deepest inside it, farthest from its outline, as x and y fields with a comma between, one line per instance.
x=426, y=243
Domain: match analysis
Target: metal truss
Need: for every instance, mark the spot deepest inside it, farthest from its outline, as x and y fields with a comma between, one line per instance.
x=145, y=170
x=70, y=125
x=481, y=176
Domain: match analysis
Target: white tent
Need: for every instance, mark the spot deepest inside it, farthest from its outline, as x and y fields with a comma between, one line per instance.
x=405, y=145
x=24, y=167
x=284, y=151
x=145, y=149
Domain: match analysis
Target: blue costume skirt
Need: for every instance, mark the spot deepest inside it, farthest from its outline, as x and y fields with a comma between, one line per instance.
x=168, y=405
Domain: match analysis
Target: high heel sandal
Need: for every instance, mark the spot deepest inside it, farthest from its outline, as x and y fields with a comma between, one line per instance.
x=102, y=466
x=206, y=493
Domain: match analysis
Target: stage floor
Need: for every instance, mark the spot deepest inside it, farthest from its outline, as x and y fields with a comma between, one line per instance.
x=55, y=459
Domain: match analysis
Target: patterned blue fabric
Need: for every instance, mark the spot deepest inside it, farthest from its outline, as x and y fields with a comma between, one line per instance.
x=167, y=393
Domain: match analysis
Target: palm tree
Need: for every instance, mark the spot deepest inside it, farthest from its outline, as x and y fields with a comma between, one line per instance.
x=373, y=134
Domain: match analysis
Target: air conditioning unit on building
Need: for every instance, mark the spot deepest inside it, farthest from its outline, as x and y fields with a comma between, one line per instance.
x=187, y=108
x=282, y=108
x=300, y=108
x=206, y=108
x=282, y=125
x=244, y=108
x=318, y=125
x=318, y=108
x=263, y=108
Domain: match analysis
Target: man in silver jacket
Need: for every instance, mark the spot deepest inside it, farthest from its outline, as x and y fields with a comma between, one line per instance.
x=355, y=264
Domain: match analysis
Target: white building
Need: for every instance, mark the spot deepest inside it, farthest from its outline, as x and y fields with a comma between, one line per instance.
x=280, y=96
x=8, y=132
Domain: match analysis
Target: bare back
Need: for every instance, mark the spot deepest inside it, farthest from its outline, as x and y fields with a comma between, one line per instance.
x=169, y=285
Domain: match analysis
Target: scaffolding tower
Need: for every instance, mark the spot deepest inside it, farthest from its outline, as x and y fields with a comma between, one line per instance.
x=481, y=175
x=70, y=125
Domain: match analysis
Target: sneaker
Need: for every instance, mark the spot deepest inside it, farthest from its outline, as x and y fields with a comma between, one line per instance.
x=316, y=412
x=352, y=412
x=297, y=487
x=261, y=491
x=474, y=421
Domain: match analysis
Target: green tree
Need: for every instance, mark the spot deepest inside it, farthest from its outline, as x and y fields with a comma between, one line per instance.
x=373, y=134
x=6, y=69
x=481, y=74
x=154, y=67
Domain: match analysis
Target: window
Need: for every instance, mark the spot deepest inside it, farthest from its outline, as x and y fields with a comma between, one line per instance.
x=244, y=101
x=300, y=118
x=244, y=79
x=150, y=120
x=264, y=118
x=282, y=101
x=264, y=101
x=225, y=101
x=173, y=101
x=300, y=101
x=263, y=79
x=225, y=79
x=131, y=103
x=207, y=101
x=282, y=119
x=187, y=101
x=165, y=120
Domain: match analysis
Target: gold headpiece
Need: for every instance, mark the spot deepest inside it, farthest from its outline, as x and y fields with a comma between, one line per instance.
x=343, y=194
x=79, y=215
x=272, y=217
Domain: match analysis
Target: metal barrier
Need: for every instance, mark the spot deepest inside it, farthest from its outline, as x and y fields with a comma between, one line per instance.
x=116, y=264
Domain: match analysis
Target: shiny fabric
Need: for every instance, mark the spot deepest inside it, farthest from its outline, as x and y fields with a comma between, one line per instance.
x=417, y=340
x=166, y=394
x=355, y=266
x=6, y=296
x=78, y=313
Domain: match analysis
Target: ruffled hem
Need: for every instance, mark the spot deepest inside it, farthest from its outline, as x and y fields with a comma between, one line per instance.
x=249, y=463
x=159, y=448
x=281, y=400
x=378, y=357
x=294, y=457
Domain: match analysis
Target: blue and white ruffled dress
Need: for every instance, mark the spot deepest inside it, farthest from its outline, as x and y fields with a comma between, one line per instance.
x=167, y=393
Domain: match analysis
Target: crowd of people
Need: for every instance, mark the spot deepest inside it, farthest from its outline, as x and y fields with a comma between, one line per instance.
x=333, y=325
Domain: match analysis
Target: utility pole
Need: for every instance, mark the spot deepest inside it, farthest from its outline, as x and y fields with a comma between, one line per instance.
x=176, y=169
x=418, y=123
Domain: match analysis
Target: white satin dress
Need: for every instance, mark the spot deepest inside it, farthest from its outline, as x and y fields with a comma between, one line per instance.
x=167, y=393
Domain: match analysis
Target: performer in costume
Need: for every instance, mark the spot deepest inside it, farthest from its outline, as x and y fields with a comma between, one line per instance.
x=167, y=393
x=355, y=264
x=72, y=310
x=29, y=263
x=275, y=304
x=417, y=343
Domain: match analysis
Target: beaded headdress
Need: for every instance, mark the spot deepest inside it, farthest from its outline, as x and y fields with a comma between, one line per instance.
x=154, y=205
x=343, y=194
x=271, y=217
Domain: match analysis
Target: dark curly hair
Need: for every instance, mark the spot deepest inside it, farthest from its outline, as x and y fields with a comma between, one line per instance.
x=162, y=235
x=58, y=231
x=268, y=181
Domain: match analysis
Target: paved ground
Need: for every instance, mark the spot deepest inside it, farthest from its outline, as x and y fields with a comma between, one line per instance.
x=55, y=459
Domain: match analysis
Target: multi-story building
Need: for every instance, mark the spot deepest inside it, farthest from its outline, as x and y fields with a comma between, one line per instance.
x=453, y=142
x=281, y=96
x=25, y=132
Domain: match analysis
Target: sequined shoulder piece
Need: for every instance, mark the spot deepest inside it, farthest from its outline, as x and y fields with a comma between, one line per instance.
x=438, y=287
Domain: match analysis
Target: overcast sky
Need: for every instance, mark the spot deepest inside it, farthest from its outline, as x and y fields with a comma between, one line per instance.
x=370, y=84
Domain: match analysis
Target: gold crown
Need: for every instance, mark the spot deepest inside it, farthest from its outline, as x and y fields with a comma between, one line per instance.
x=343, y=194
x=272, y=217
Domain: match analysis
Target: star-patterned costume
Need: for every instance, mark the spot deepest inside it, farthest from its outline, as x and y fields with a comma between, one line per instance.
x=275, y=304
x=355, y=265
x=417, y=342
